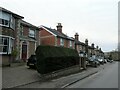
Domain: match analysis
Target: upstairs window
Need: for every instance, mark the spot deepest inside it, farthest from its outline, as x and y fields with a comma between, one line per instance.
x=61, y=42
x=7, y=20
x=21, y=30
x=4, y=19
x=31, y=33
x=12, y=22
x=4, y=22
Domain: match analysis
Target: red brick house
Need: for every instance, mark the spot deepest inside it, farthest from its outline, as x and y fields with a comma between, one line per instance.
x=49, y=36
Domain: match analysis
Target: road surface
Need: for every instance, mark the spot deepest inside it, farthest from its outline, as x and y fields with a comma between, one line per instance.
x=106, y=78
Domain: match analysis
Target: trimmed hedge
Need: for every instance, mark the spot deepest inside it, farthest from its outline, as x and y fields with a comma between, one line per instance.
x=51, y=58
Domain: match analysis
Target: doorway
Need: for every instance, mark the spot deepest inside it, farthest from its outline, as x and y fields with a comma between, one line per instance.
x=24, y=51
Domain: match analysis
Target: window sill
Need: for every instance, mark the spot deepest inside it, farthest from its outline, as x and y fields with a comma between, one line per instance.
x=7, y=27
x=4, y=25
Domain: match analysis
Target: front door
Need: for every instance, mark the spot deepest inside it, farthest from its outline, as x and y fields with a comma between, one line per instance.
x=24, y=52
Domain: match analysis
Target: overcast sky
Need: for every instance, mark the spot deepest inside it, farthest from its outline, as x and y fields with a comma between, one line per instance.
x=96, y=20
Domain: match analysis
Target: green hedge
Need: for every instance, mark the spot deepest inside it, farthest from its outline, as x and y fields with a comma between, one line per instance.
x=51, y=58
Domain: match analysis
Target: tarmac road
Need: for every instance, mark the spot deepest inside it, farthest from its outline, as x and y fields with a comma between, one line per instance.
x=106, y=78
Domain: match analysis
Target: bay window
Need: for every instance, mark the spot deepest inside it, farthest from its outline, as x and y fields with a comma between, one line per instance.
x=4, y=19
x=12, y=22
x=7, y=20
x=6, y=45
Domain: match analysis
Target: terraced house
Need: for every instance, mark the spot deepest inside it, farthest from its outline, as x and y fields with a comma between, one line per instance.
x=80, y=46
x=49, y=36
x=28, y=39
x=17, y=37
x=86, y=48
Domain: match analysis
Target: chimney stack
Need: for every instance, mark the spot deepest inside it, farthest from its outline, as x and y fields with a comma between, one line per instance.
x=59, y=27
x=92, y=45
x=86, y=41
x=97, y=47
x=76, y=36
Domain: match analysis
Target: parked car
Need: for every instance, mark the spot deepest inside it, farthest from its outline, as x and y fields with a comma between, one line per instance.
x=32, y=61
x=93, y=62
x=105, y=60
x=101, y=61
x=108, y=60
x=98, y=63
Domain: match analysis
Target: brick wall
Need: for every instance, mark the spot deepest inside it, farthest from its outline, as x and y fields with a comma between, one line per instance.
x=31, y=48
x=7, y=31
x=48, y=41
x=46, y=38
x=62, y=72
x=25, y=31
x=44, y=33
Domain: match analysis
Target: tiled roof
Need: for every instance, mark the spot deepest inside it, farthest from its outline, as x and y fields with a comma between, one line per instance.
x=90, y=47
x=62, y=35
x=83, y=44
x=28, y=24
x=15, y=15
x=79, y=43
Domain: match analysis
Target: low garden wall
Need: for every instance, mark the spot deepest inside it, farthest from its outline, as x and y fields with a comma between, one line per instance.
x=62, y=72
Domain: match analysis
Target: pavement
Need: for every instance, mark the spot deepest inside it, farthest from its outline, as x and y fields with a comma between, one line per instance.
x=23, y=77
x=18, y=75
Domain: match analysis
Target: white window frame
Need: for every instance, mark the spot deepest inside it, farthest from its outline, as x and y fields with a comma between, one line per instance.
x=21, y=30
x=4, y=16
x=7, y=17
x=12, y=22
x=61, y=42
x=10, y=44
x=2, y=45
x=70, y=43
x=32, y=34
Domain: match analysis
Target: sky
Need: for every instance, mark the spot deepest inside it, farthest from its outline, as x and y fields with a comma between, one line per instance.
x=95, y=20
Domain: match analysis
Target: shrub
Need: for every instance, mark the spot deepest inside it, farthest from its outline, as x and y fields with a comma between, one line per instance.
x=14, y=54
x=51, y=58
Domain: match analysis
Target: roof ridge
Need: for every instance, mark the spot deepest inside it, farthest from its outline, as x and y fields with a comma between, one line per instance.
x=29, y=24
x=59, y=34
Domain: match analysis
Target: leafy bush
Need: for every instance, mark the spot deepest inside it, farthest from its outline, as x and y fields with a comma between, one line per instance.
x=14, y=53
x=51, y=58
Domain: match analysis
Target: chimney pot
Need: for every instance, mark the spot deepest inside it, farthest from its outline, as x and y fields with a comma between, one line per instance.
x=86, y=41
x=59, y=27
x=97, y=47
x=77, y=36
x=92, y=45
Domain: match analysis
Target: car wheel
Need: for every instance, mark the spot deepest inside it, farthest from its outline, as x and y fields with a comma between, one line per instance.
x=30, y=66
